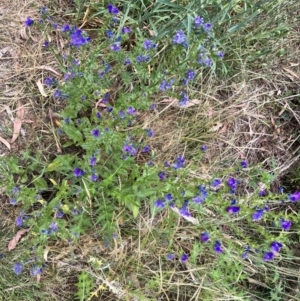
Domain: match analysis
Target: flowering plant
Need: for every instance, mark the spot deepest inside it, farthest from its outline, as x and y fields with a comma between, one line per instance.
x=108, y=167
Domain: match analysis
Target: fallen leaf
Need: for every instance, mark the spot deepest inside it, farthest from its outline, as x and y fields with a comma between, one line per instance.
x=23, y=33
x=223, y=129
x=17, y=128
x=14, y=241
x=48, y=68
x=20, y=110
x=152, y=33
x=46, y=253
x=5, y=142
x=41, y=88
x=9, y=113
x=210, y=113
x=290, y=72
x=191, y=103
x=28, y=121
x=18, y=121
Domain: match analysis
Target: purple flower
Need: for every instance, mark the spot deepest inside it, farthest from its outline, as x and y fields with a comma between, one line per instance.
x=218, y=247
x=59, y=214
x=216, y=183
x=179, y=37
x=285, y=224
x=179, y=163
x=18, y=268
x=268, y=256
x=115, y=46
x=198, y=199
x=198, y=21
x=257, y=215
x=245, y=255
x=15, y=190
x=149, y=133
x=122, y=114
x=36, y=271
x=57, y=94
x=46, y=44
x=95, y=133
x=232, y=183
x=28, y=22
x=202, y=191
x=149, y=44
x=168, y=197
x=19, y=221
x=78, y=172
x=94, y=177
x=184, y=210
x=233, y=209
x=126, y=30
x=190, y=74
x=183, y=99
x=93, y=160
x=205, y=237
x=43, y=10
x=204, y=60
x=220, y=54
x=65, y=28
x=204, y=148
x=109, y=33
x=48, y=81
x=159, y=203
x=127, y=62
x=53, y=226
x=184, y=258
x=207, y=27
x=150, y=163
x=244, y=164
x=170, y=256
x=165, y=85
x=131, y=111
x=275, y=247
x=12, y=201
x=146, y=149
x=262, y=192
x=167, y=164
x=162, y=175
x=112, y=9
x=295, y=197
x=140, y=58
x=75, y=211
x=130, y=149
x=77, y=39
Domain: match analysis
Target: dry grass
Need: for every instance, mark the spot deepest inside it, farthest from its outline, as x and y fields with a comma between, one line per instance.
x=255, y=116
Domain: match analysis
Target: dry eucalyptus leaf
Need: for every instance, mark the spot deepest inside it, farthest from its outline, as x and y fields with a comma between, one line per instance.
x=291, y=72
x=48, y=68
x=18, y=121
x=23, y=33
x=5, y=142
x=41, y=88
x=46, y=253
x=14, y=241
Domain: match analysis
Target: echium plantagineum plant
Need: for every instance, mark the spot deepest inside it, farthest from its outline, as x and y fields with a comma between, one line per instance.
x=108, y=162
